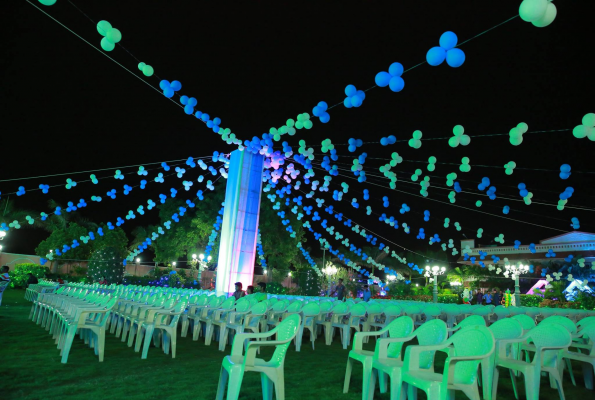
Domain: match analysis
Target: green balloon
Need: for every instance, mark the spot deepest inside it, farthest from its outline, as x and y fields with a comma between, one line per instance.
x=113, y=35
x=308, y=124
x=458, y=130
x=107, y=45
x=580, y=131
x=453, y=141
x=141, y=65
x=148, y=70
x=589, y=119
x=478, y=203
x=48, y=2
x=103, y=27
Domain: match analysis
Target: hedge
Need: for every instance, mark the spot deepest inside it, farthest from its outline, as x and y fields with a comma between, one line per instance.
x=20, y=274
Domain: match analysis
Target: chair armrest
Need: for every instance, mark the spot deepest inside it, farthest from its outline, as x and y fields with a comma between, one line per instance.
x=237, y=348
x=358, y=339
x=82, y=316
x=254, y=346
x=381, y=350
x=231, y=317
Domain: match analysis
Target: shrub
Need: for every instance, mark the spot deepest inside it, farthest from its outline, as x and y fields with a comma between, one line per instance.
x=586, y=301
x=531, y=300
x=276, y=288
x=106, y=263
x=19, y=275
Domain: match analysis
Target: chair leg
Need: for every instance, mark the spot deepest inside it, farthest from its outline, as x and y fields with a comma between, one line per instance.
x=588, y=370
x=267, y=387
x=348, y=374
x=367, y=377
x=209, y=334
x=569, y=366
x=532, y=385
x=514, y=385
x=382, y=381
x=223, y=378
x=101, y=343
x=173, y=344
x=495, y=382
x=148, y=336
x=279, y=385
x=68, y=344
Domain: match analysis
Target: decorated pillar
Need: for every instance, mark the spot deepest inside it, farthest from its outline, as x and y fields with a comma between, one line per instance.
x=239, y=230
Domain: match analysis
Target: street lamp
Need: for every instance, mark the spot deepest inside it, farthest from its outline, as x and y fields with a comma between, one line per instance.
x=434, y=271
x=2, y=234
x=136, y=265
x=329, y=270
x=515, y=271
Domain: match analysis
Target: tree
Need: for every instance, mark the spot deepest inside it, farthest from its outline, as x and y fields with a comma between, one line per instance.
x=9, y=212
x=113, y=238
x=107, y=263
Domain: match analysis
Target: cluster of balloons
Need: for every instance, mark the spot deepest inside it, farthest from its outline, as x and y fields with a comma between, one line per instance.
x=524, y=193
x=404, y=208
x=567, y=193
x=587, y=129
x=479, y=233
x=426, y=215
x=452, y=196
x=354, y=144
x=303, y=121
x=432, y=163
x=385, y=141
x=189, y=103
x=425, y=183
x=499, y=238
x=354, y=97
x=509, y=167
x=550, y=254
x=575, y=223
x=564, y=171
x=465, y=167
x=127, y=189
x=454, y=57
x=111, y=36
x=485, y=182
x=112, y=193
x=516, y=133
x=450, y=179
x=94, y=179
x=119, y=175
x=70, y=183
x=457, y=187
x=170, y=88
x=146, y=69
x=385, y=201
x=459, y=137
x=320, y=111
x=327, y=146
x=446, y=222
x=540, y=13
x=415, y=141
x=44, y=188
x=416, y=175
x=392, y=78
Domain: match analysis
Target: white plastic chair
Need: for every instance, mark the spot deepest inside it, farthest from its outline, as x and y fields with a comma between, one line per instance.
x=309, y=314
x=272, y=372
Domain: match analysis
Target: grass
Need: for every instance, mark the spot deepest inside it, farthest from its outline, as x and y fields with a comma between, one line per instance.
x=30, y=368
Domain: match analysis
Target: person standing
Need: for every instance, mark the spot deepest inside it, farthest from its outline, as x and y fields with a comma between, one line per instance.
x=4, y=275
x=367, y=293
x=496, y=298
x=488, y=298
x=479, y=297
x=340, y=290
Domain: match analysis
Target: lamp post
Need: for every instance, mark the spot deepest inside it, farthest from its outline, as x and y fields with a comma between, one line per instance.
x=329, y=270
x=434, y=272
x=136, y=265
x=515, y=271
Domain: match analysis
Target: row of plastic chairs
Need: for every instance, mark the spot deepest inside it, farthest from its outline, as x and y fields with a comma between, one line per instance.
x=472, y=344
x=33, y=290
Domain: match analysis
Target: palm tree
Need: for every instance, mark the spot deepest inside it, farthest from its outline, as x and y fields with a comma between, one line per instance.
x=61, y=221
x=9, y=213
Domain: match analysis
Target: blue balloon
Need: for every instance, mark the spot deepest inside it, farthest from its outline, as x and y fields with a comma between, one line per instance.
x=361, y=94
x=395, y=69
x=184, y=100
x=396, y=84
x=350, y=90
x=325, y=117
x=189, y=109
x=198, y=114
x=192, y=102
x=384, y=141
x=565, y=168
x=448, y=40
x=455, y=57
x=317, y=111
x=163, y=84
x=168, y=92
x=216, y=128
x=347, y=102
x=435, y=56
x=175, y=85
x=356, y=101
x=382, y=79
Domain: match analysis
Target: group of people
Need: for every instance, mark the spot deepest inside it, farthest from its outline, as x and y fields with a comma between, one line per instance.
x=239, y=292
x=494, y=297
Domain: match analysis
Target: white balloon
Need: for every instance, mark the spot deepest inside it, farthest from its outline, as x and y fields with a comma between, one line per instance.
x=548, y=17
x=465, y=140
x=532, y=10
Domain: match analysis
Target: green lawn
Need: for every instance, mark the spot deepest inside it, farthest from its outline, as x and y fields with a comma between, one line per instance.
x=30, y=368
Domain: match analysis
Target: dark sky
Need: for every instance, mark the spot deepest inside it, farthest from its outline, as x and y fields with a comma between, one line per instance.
x=67, y=108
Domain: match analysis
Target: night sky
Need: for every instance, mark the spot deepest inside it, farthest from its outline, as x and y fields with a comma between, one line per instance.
x=67, y=108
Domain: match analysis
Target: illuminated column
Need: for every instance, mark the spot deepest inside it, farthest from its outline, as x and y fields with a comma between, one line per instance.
x=239, y=229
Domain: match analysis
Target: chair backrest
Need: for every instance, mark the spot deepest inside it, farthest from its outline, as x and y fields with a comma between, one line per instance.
x=169, y=303
x=472, y=341
x=400, y=327
x=550, y=335
x=508, y=328
x=565, y=322
x=325, y=306
x=295, y=306
x=374, y=308
x=526, y=321
x=482, y=311
x=585, y=322
x=588, y=333
x=214, y=301
x=472, y=320
x=412, y=310
x=258, y=309
x=340, y=308
x=432, y=311
x=242, y=306
x=428, y=334
x=392, y=311
x=286, y=330
x=311, y=309
x=279, y=306
x=357, y=310
x=228, y=304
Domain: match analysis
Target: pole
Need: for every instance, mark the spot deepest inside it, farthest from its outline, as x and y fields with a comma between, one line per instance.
x=517, y=291
x=435, y=294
